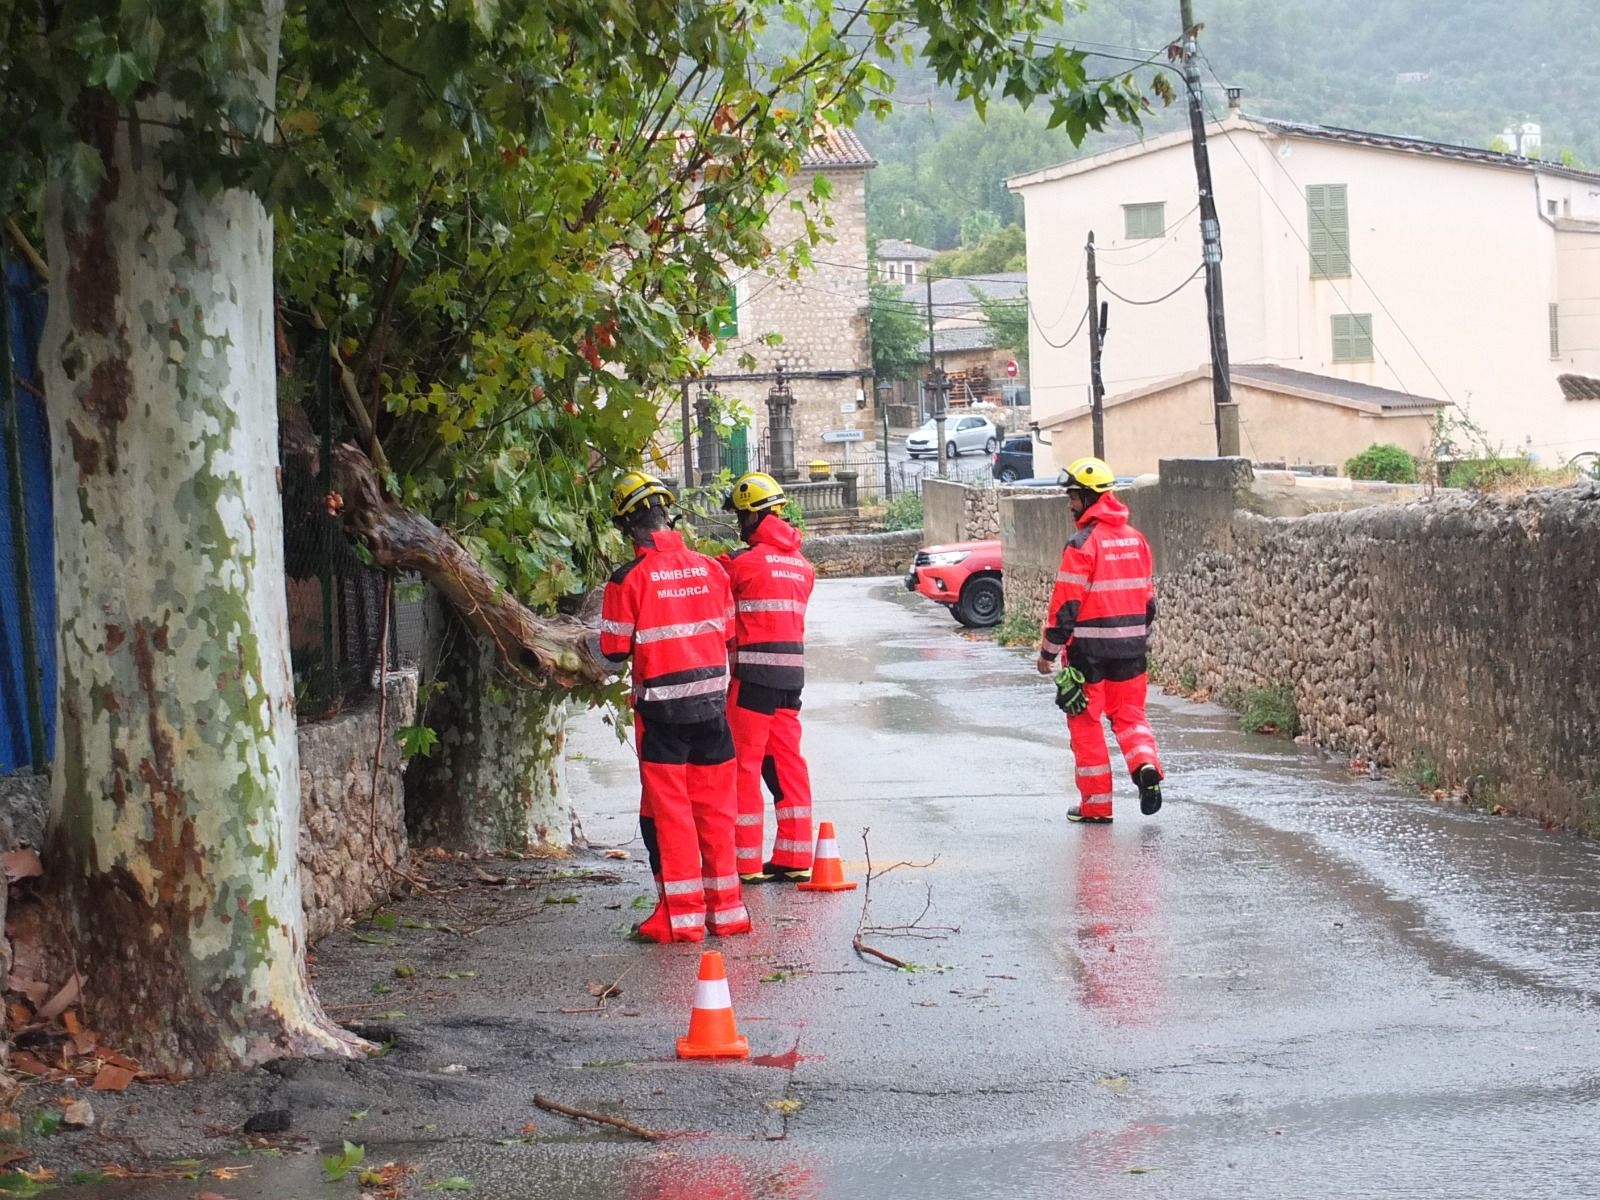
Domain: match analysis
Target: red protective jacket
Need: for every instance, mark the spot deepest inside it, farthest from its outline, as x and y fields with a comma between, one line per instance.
x=772, y=582
x=1104, y=600
x=671, y=609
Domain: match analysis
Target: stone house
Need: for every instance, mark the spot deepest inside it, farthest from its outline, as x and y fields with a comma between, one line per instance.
x=825, y=352
x=900, y=261
x=1423, y=269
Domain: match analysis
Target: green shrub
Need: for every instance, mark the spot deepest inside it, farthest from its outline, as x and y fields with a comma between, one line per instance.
x=1189, y=680
x=903, y=512
x=1269, y=710
x=1389, y=463
x=1017, y=629
x=1507, y=473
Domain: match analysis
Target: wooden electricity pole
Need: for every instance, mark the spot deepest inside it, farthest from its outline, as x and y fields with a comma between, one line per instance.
x=1097, y=331
x=1224, y=414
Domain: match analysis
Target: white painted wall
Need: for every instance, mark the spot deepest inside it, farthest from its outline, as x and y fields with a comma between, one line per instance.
x=1455, y=262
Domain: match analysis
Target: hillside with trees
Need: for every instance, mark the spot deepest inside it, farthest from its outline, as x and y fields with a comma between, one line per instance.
x=1459, y=72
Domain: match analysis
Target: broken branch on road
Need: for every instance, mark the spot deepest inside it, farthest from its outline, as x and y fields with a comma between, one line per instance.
x=913, y=929
x=638, y=1131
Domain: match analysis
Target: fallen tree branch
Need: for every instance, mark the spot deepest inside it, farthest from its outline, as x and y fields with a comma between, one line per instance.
x=638, y=1131
x=557, y=650
x=862, y=948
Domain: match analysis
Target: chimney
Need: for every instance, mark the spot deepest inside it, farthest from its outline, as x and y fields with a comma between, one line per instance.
x=1233, y=98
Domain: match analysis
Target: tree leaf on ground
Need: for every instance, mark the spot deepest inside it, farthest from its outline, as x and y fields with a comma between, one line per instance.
x=371, y=939
x=1114, y=1083
x=112, y=1078
x=456, y=1183
x=787, y=1106
x=20, y=864
x=336, y=1166
x=459, y=975
x=385, y=921
x=643, y=902
x=567, y=899
x=44, y=1122
x=404, y=970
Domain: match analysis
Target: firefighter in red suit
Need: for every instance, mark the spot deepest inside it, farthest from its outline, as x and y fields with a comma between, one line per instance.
x=671, y=610
x=1101, y=611
x=772, y=582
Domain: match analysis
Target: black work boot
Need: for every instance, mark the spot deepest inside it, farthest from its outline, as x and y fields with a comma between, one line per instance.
x=786, y=874
x=1149, y=781
x=1076, y=814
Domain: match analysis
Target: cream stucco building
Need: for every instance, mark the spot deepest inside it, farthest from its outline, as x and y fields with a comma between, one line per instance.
x=1441, y=273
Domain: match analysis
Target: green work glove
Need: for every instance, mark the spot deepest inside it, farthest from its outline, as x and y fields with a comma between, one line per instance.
x=1070, y=696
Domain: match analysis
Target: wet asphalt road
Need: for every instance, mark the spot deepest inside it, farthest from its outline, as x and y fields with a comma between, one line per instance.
x=1292, y=982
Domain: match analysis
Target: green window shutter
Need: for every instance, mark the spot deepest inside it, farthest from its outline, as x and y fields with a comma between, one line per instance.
x=1352, y=337
x=728, y=314
x=1143, y=221
x=1555, y=331
x=1328, y=230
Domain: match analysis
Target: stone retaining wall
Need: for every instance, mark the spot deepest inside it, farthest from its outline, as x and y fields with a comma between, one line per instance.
x=960, y=512
x=341, y=875
x=863, y=554
x=343, y=829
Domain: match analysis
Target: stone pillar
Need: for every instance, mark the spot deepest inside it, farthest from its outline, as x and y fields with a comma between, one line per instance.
x=847, y=491
x=780, y=431
x=710, y=446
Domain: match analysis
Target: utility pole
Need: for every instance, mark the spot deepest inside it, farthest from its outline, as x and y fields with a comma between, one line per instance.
x=1097, y=333
x=1224, y=414
x=936, y=383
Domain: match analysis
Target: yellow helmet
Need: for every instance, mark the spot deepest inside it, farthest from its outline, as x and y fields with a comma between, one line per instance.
x=1090, y=474
x=754, y=492
x=636, y=490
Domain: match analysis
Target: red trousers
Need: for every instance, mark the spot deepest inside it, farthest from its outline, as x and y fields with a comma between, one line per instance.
x=1122, y=702
x=766, y=739
x=686, y=814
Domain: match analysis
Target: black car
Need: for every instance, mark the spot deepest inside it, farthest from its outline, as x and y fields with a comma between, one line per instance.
x=1014, y=459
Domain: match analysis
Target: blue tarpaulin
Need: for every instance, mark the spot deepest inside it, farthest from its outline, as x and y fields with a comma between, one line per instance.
x=25, y=300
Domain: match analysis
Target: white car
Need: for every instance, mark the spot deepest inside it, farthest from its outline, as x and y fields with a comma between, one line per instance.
x=962, y=434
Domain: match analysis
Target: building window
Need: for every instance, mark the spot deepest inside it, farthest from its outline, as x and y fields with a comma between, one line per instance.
x=1555, y=331
x=892, y=271
x=911, y=272
x=726, y=317
x=1550, y=207
x=1328, y=224
x=1352, y=337
x=1144, y=221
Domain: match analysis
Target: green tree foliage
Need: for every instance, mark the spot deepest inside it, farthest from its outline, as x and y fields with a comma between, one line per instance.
x=899, y=332
x=932, y=189
x=1392, y=464
x=1007, y=321
x=1004, y=250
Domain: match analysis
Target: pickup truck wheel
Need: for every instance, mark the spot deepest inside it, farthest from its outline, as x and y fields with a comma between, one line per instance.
x=982, y=603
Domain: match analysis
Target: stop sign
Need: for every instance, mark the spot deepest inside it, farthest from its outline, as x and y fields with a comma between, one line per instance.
x=1011, y=368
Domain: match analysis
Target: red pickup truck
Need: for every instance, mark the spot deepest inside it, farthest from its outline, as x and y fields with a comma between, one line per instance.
x=963, y=575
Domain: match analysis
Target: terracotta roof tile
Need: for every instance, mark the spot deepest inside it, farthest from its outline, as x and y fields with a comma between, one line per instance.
x=837, y=148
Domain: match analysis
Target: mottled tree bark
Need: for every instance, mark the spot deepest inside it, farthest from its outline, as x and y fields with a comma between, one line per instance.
x=176, y=806
x=496, y=779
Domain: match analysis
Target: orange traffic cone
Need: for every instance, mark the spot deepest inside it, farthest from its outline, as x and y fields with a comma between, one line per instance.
x=827, y=872
x=712, y=1033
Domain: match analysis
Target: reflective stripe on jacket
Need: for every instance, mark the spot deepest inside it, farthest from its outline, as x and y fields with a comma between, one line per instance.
x=772, y=584
x=1104, y=601
x=670, y=608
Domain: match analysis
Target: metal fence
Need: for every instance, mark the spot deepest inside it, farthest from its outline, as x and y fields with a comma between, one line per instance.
x=335, y=599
